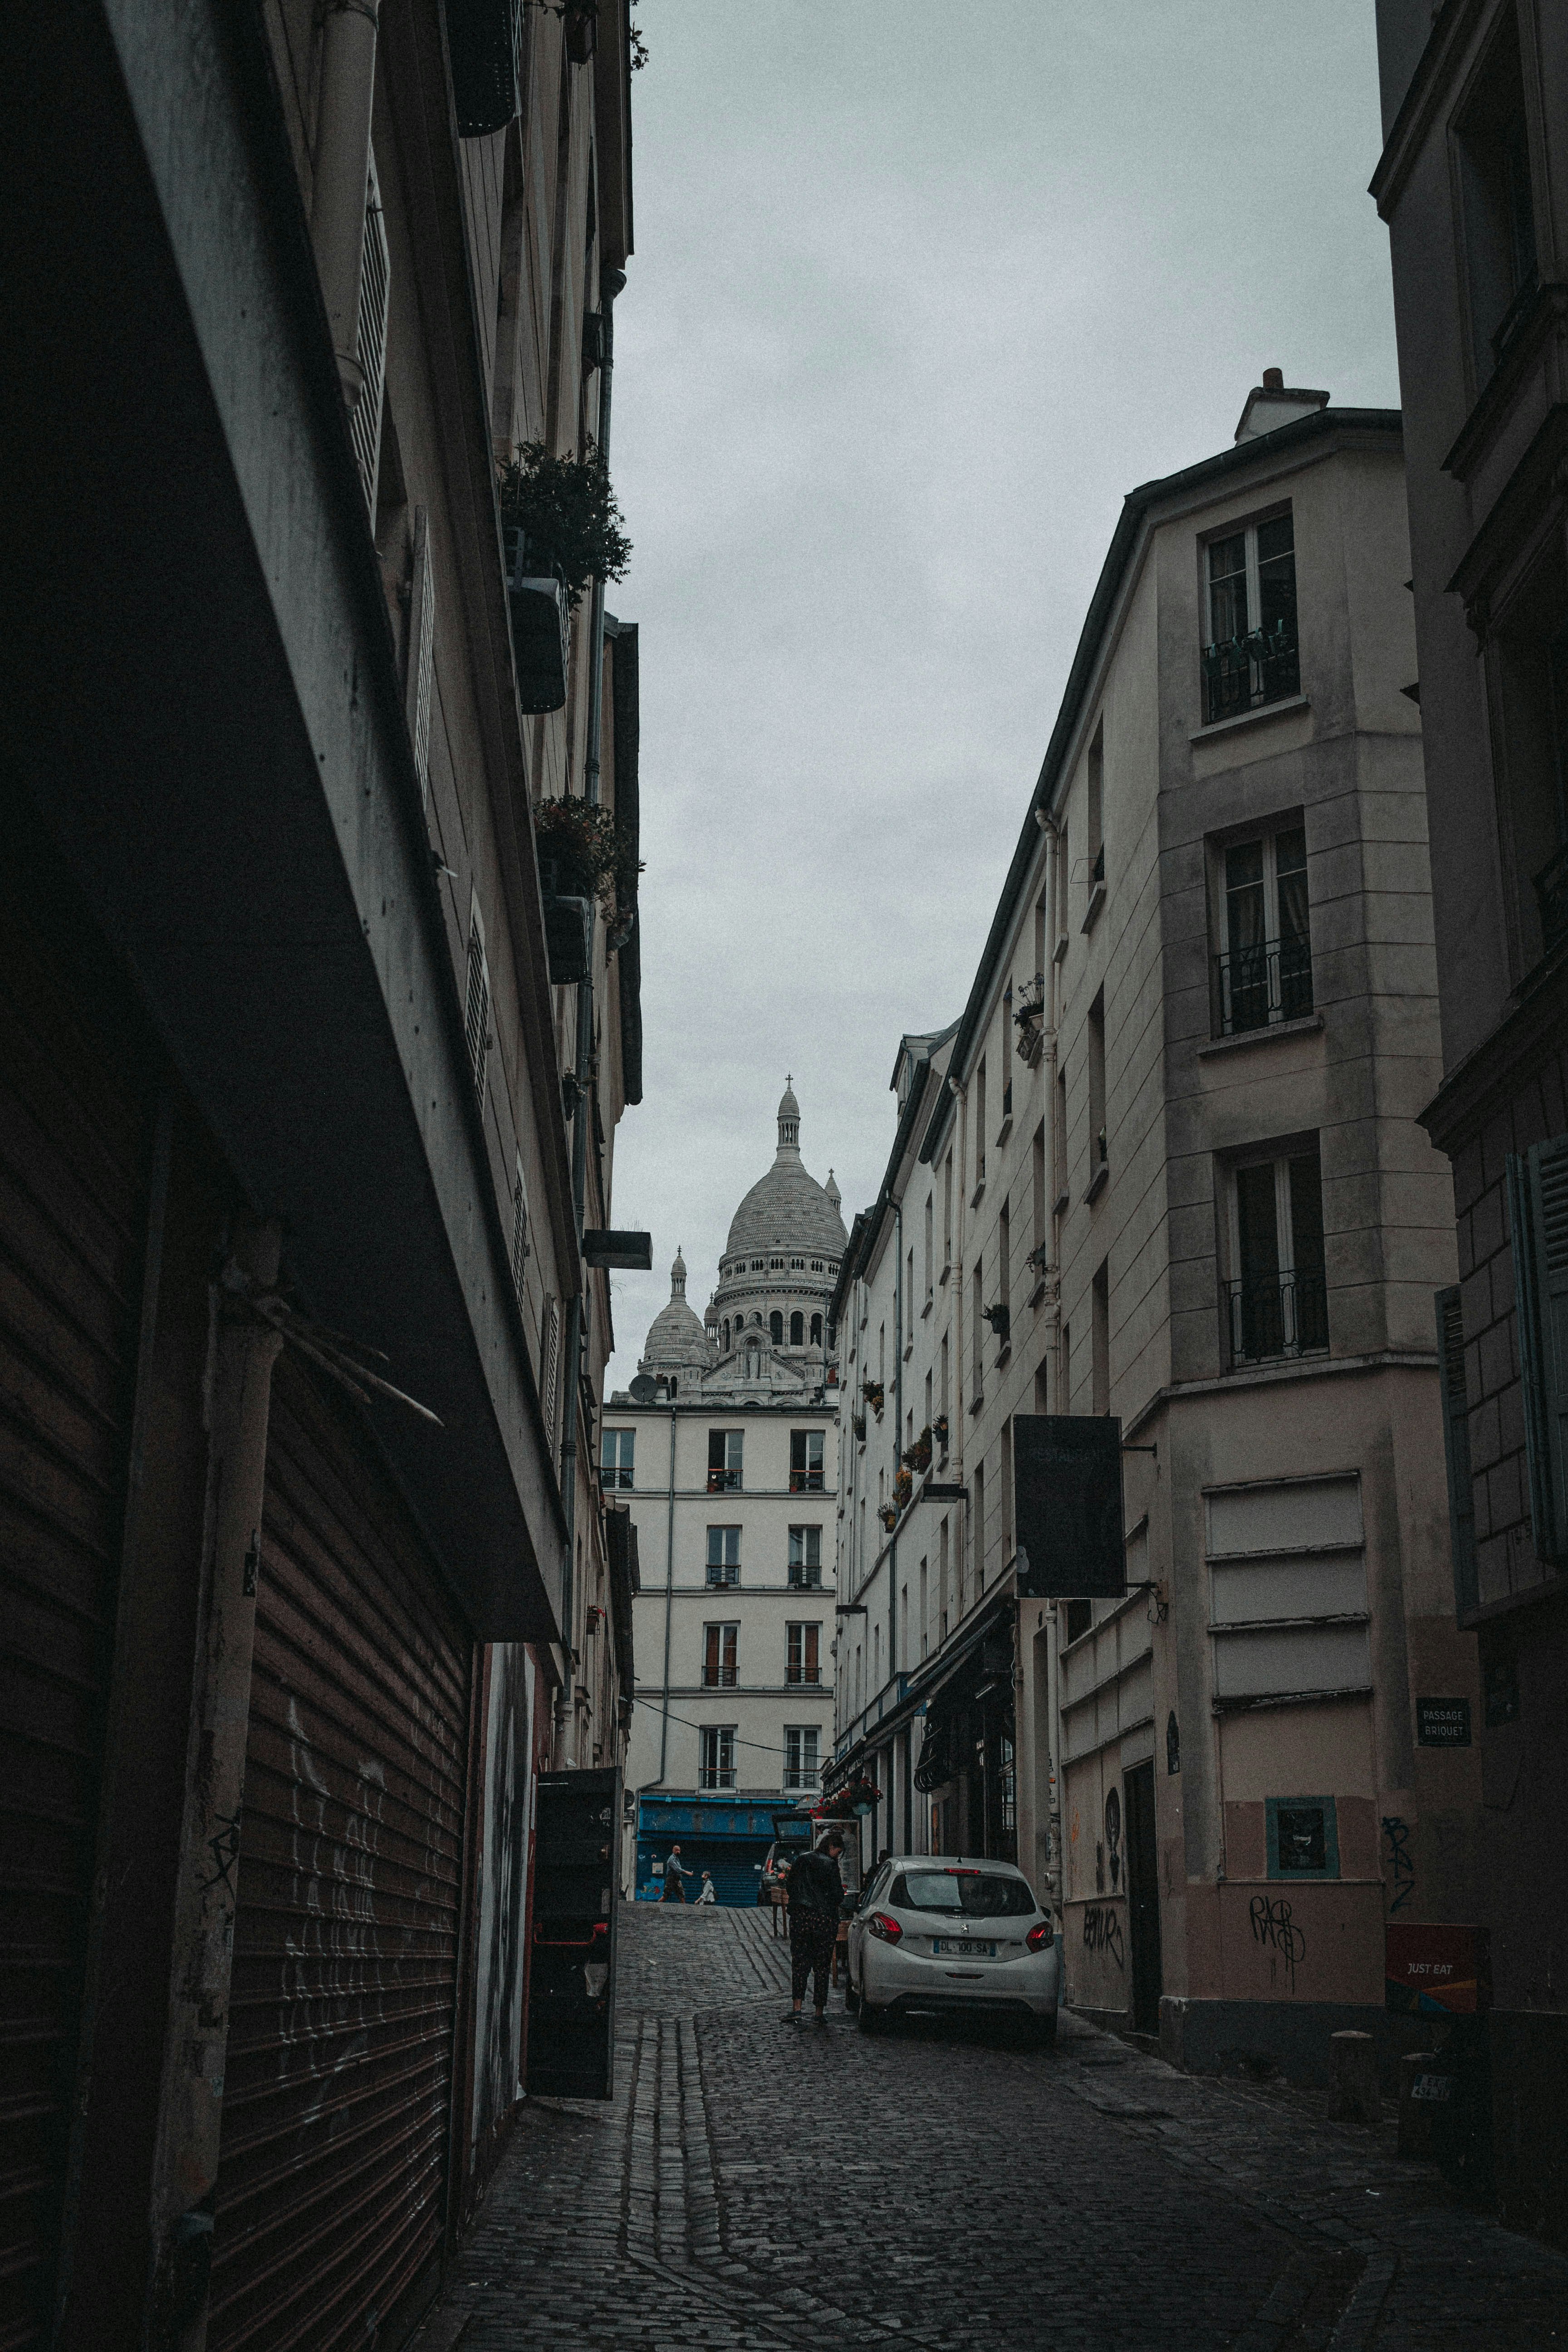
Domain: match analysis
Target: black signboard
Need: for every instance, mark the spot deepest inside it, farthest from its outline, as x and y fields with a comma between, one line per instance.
x=572, y=1951
x=1443, y=1722
x=1066, y=1500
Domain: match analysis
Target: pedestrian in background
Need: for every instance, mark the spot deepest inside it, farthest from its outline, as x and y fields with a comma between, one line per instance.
x=778, y=1897
x=816, y=1893
x=708, y=1894
x=675, y=1875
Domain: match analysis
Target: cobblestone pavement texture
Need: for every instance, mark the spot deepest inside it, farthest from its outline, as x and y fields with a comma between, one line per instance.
x=756, y=2184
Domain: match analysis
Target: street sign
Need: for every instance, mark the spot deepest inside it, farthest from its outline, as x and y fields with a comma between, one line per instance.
x=1066, y=1501
x=1432, y=1970
x=1443, y=1722
x=572, y=1952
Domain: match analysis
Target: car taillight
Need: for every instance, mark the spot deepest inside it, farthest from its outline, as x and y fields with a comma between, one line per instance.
x=879, y=1924
x=1039, y=1935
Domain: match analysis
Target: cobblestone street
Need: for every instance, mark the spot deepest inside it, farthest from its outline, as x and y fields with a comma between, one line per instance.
x=752, y=2185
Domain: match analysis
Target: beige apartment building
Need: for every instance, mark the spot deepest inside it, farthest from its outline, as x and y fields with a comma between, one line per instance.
x=1172, y=1171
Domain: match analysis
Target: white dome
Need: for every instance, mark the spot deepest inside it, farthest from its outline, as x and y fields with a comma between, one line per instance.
x=787, y=1209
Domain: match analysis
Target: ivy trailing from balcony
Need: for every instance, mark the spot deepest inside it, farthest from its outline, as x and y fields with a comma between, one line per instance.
x=872, y=1392
x=568, y=510
x=917, y=1458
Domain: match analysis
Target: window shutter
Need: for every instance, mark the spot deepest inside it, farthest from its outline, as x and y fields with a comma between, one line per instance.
x=547, y=1384
x=1538, y=1202
x=1457, y=1451
x=477, y=1024
x=375, y=290
x=421, y=648
x=519, y=1234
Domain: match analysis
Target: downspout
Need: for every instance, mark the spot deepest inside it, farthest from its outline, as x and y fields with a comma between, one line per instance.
x=1051, y=1013
x=611, y=282
x=669, y=1607
x=898, y=1463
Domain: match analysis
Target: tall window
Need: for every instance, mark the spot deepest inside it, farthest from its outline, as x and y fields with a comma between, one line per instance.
x=947, y=1210
x=719, y=1646
x=806, y=1462
x=978, y=1523
x=806, y=1558
x=1498, y=201
x=931, y=1244
x=941, y=1585
x=1265, y=970
x=1004, y=1268
x=802, y=1761
x=716, y=1768
x=803, y=1653
x=980, y=1123
x=1099, y=1134
x=817, y=1330
x=942, y=1390
x=775, y=1327
x=1252, y=656
x=797, y=1329
x=476, y=1010
x=1096, y=798
x=725, y=1456
x=617, y=1457
x=1100, y=1339
x=925, y=1607
x=1039, y=1253
x=723, y=1555
x=1279, y=1293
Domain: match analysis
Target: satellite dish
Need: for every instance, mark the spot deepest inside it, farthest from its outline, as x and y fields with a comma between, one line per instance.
x=645, y=1388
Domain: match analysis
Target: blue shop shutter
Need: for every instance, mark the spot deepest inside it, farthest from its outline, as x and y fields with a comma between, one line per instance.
x=1457, y=1451
x=1538, y=1204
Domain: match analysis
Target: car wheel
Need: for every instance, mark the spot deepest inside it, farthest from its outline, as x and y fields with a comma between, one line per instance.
x=851, y=1997
x=869, y=2018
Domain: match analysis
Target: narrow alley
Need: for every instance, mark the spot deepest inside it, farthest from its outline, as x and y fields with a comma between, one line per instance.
x=752, y=2185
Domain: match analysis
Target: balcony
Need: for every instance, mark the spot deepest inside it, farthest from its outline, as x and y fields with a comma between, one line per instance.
x=802, y=1673
x=1253, y=987
x=1552, y=898
x=806, y=1579
x=723, y=1482
x=718, y=1677
x=803, y=1780
x=1242, y=674
x=716, y=1777
x=728, y=1574
x=541, y=624
x=805, y=1482
x=1278, y=1315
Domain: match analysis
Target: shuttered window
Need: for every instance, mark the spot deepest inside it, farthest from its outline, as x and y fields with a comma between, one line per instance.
x=1457, y=1451
x=1538, y=1202
x=421, y=647
x=720, y=1644
x=477, y=1008
x=547, y=1382
x=331, y=2186
x=375, y=290
x=519, y=1241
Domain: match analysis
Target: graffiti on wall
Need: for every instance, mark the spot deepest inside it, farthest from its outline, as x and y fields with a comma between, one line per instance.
x=1401, y=1861
x=498, y=2055
x=1102, y=1931
x=1273, y=1928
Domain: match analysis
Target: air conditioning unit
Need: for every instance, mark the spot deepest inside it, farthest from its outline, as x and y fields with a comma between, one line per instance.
x=541, y=617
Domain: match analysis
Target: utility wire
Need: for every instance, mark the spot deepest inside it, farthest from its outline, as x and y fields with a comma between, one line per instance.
x=685, y=1720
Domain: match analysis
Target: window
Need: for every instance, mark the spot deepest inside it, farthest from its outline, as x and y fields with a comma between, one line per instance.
x=1252, y=656
x=519, y=1241
x=931, y=1244
x=1456, y=1450
x=616, y=1457
x=942, y=1584
x=806, y=1557
x=978, y=1523
x=717, y=1770
x=1100, y=1339
x=943, y=1393
x=775, y=1328
x=797, y=1329
x=370, y=346
x=1499, y=204
x=801, y=1657
x=1288, y=1590
x=980, y=1125
x=947, y=1212
x=1537, y=1220
x=1080, y=1618
x=1303, y=1837
x=1039, y=1251
x=979, y=1336
x=805, y=1461
x=725, y=1452
x=1265, y=972
x=1004, y=1268
x=1099, y=1143
x=477, y=1010
x=723, y=1555
x=719, y=1645
x=549, y=1371
x=1528, y=670
x=802, y=1763
x=925, y=1607
x=817, y=1330
x=724, y=1342
x=1278, y=1291
x=1096, y=795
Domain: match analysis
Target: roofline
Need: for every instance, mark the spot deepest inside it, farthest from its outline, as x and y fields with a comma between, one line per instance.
x=1322, y=425
x=869, y=1222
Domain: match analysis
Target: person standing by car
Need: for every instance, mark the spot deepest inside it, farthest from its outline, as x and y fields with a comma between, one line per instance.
x=816, y=1893
x=675, y=1875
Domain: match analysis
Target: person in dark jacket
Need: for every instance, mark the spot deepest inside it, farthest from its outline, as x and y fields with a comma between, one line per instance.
x=816, y=1893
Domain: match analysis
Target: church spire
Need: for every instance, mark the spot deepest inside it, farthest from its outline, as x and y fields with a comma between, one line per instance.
x=678, y=1276
x=789, y=1121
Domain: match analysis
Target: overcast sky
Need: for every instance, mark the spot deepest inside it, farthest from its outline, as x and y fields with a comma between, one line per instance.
x=921, y=289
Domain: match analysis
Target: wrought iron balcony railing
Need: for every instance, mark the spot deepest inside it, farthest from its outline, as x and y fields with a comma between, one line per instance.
x=716, y=1776
x=805, y=1482
x=806, y=1579
x=718, y=1677
x=1278, y=1315
x=802, y=1777
x=802, y=1673
x=1243, y=673
x=723, y=1482
x=1253, y=986
x=1552, y=898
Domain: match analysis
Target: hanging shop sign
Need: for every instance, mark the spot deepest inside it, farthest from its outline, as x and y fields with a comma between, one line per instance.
x=1066, y=1500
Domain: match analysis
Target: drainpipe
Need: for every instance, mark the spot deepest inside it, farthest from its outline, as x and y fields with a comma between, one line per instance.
x=1051, y=1015
x=340, y=173
x=668, y=1606
x=610, y=283
x=241, y=1351
x=897, y=1459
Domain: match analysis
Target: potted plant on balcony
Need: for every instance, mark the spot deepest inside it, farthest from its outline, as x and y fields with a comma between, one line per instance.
x=939, y=1431
x=918, y=1456
x=889, y=1516
x=1030, y=1017
x=584, y=855
x=872, y=1392
x=858, y=1423
x=560, y=528
x=903, y=1488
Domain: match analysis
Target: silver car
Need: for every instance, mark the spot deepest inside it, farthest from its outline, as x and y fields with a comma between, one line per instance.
x=945, y=1933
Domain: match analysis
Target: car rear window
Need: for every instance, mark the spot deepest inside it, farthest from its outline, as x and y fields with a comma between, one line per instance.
x=967, y=1894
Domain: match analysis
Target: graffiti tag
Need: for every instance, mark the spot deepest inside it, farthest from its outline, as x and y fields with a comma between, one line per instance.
x=1102, y=1931
x=223, y=1848
x=1273, y=1928
x=1401, y=1861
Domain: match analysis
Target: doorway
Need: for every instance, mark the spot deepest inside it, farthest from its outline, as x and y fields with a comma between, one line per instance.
x=1144, y=1898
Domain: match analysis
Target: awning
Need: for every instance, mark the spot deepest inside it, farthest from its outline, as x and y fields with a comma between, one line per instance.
x=935, y=1676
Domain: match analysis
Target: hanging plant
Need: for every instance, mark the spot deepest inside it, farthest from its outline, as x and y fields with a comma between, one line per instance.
x=872, y=1392
x=918, y=1456
x=591, y=854
x=889, y=1516
x=858, y=1423
x=903, y=1488
x=939, y=1431
x=568, y=510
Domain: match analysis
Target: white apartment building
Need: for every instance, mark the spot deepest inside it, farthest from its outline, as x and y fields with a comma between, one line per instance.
x=725, y=1450
x=1168, y=1168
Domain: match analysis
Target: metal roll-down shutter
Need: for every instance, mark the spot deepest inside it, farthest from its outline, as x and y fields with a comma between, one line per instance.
x=331, y=2186
x=74, y=1150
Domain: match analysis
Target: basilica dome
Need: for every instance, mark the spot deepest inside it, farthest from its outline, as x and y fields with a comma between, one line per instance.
x=787, y=1210
x=676, y=1338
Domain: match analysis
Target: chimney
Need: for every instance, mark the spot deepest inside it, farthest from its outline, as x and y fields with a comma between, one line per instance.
x=1274, y=402
x=1273, y=379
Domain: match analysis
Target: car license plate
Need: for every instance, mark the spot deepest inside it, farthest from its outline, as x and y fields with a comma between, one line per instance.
x=951, y=1947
